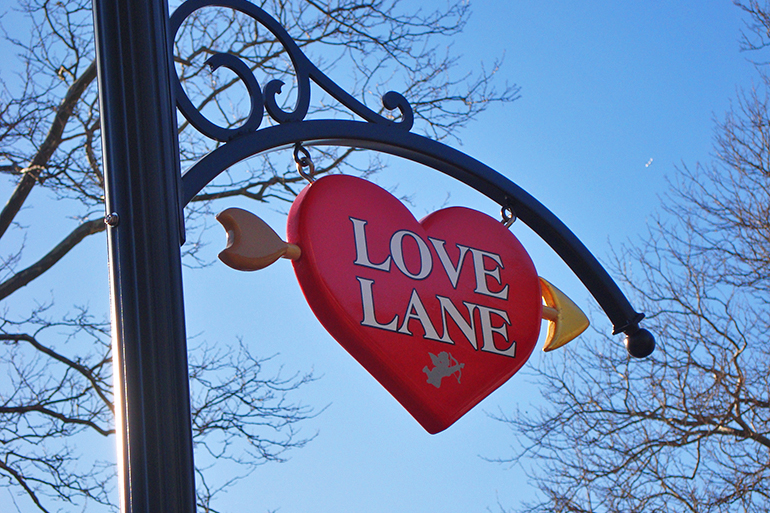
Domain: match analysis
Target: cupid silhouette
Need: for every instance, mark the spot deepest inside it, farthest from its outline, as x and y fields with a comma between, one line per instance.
x=444, y=365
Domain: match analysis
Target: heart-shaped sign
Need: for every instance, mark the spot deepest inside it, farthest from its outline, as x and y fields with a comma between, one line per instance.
x=441, y=312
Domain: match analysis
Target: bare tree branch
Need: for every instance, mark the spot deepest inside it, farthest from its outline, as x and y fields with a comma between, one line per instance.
x=23, y=483
x=31, y=174
x=24, y=277
x=687, y=429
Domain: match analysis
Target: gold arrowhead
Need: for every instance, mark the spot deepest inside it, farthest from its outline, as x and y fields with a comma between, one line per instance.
x=251, y=243
x=566, y=320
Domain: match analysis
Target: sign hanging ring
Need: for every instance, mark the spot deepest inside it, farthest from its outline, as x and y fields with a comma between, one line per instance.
x=304, y=162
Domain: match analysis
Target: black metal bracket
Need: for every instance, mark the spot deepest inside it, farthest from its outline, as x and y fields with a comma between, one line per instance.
x=382, y=134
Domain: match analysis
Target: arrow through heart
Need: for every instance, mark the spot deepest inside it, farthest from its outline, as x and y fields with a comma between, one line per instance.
x=441, y=312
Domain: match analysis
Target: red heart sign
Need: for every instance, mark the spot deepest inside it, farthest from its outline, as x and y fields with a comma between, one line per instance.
x=441, y=312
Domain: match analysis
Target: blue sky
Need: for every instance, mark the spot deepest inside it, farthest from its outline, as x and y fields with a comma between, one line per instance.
x=615, y=95
x=607, y=87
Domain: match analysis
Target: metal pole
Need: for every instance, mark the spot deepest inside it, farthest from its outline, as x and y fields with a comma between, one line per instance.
x=141, y=164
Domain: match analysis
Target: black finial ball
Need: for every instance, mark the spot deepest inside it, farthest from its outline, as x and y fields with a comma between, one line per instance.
x=640, y=344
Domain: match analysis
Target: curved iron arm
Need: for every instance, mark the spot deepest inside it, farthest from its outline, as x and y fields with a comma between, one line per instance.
x=449, y=161
x=385, y=135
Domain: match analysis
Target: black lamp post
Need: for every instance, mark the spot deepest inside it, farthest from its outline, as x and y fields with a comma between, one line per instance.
x=141, y=160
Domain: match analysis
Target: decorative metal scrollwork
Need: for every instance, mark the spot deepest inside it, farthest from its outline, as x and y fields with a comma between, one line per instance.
x=261, y=101
x=383, y=135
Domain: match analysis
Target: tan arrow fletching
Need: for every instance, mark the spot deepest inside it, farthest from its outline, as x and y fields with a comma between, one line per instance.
x=251, y=243
x=565, y=320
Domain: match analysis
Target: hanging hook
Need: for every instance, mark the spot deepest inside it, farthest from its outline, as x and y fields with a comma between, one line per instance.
x=304, y=162
x=509, y=215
